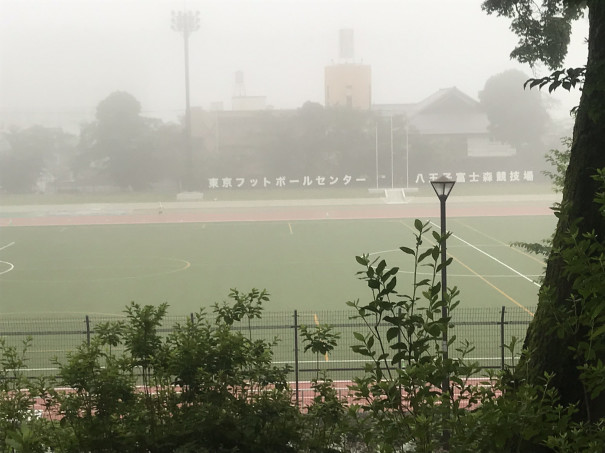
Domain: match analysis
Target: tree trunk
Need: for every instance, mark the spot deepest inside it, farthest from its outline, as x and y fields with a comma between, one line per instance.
x=546, y=351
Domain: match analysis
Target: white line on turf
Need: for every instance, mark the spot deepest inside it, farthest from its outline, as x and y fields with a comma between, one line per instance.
x=11, y=266
x=7, y=245
x=493, y=258
x=459, y=275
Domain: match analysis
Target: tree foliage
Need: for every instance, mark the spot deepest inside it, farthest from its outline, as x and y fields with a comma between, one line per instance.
x=124, y=148
x=205, y=386
x=559, y=160
x=409, y=383
x=515, y=116
x=311, y=140
x=33, y=151
x=543, y=28
x=331, y=140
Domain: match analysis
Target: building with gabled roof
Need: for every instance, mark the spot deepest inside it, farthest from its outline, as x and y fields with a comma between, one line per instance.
x=450, y=113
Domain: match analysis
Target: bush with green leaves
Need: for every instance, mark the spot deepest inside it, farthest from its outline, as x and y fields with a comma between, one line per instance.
x=319, y=339
x=402, y=391
x=202, y=386
x=21, y=428
x=327, y=423
x=559, y=161
x=401, y=397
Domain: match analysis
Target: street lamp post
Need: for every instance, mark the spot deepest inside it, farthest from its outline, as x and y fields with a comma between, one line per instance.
x=443, y=186
x=186, y=22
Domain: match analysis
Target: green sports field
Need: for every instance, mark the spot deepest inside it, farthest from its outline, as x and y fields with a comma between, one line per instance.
x=305, y=265
x=53, y=276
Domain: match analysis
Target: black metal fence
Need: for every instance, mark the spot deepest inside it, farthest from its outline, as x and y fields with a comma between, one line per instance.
x=490, y=330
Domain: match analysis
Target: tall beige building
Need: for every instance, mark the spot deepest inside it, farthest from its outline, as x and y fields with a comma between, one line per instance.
x=349, y=85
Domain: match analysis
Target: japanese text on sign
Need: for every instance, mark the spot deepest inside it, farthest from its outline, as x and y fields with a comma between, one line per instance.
x=484, y=177
x=283, y=181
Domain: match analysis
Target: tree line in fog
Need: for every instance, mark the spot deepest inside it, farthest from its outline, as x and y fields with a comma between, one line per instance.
x=123, y=149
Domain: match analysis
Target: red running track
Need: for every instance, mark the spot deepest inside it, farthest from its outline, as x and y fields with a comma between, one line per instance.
x=284, y=213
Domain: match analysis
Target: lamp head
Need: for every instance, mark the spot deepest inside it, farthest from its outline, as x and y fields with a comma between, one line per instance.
x=443, y=186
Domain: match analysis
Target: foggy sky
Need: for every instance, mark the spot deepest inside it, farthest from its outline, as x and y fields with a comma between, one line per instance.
x=60, y=58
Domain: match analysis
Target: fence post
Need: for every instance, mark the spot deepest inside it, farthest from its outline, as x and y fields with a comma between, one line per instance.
x=399, y=364
x=87, y=330
x=296, y=356
x=191, y=317
x=502, y=337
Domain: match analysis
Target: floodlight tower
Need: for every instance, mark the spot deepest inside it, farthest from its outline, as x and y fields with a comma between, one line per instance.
x=186, y=22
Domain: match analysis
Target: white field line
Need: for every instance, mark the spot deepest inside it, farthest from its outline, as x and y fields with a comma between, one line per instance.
x=493, y=258
x=7, y=246
x=467, y=275
x=11, y=266
x=460, y=275
x=516, y=249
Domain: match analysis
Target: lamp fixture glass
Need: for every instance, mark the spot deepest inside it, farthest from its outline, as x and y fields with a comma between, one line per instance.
x=443, y=186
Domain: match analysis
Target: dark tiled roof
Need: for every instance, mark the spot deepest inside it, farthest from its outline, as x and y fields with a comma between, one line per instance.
x=447, y=111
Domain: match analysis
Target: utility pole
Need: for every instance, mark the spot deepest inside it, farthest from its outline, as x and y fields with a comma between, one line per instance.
x=186, y=22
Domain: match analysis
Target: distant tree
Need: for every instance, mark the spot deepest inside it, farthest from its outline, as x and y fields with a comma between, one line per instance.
x=32, y=151
x=250, y=145
x=312, y=140
x=309, y=132
x=516, y=116
x=350, y=141
x=119, y=144
x=331, y=140
x=165, y=142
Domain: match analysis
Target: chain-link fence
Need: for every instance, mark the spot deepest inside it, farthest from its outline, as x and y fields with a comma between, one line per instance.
x=490, y=330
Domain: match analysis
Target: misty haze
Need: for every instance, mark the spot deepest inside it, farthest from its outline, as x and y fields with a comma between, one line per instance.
x=190, y=116
x=202, y=161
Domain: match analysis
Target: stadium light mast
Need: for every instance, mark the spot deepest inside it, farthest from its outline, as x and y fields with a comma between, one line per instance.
x=443, y=186
x=186, y=22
